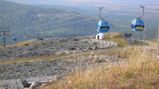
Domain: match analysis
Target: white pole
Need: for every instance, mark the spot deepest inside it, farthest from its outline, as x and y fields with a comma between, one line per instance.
x=158, y=41
x=143, y=37
x=144, y=34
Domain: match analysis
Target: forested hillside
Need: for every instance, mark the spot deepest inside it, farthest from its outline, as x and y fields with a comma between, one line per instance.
x=35, y=21
x=32, y=21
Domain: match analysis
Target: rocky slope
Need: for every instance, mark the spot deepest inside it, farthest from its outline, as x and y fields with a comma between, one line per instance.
x=54, y=46
x=46, y=71
x=62, y=57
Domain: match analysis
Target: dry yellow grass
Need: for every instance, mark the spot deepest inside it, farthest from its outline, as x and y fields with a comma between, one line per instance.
x=38, y=58
x=110, y=51
x=45, y=58
x=139, y=71
x=117, y=37
x=23, y=43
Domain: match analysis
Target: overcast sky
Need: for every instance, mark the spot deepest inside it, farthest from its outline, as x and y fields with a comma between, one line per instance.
x=100, y=2
x=151, y=5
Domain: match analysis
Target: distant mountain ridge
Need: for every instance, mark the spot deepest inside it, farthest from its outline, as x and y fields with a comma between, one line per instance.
x=34, y=21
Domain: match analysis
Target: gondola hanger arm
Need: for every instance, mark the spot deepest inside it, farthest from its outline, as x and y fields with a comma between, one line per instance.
x=100, y=10
x=143, y=11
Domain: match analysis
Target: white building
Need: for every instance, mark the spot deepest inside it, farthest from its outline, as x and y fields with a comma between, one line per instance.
x=100, y=36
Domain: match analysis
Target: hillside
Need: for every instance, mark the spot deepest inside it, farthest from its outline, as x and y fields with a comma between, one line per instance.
x=79, y=61
x=138, y=70
x=57, y=49
x=39, y=21
x=31, y=21
x=35, y=59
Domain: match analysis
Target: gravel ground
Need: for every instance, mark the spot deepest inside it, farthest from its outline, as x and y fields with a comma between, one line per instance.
x=53, y=46
x=45, y=71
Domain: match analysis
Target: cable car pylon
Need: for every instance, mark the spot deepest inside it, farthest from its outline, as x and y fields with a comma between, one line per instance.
x=4, y=34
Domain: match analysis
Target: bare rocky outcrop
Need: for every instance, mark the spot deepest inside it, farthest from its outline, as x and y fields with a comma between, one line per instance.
x=55, y=46
x=46, y=71
x=32, y=74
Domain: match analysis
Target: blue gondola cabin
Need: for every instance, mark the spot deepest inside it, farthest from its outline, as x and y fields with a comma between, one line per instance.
x=137, y=25
x=103, y=26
